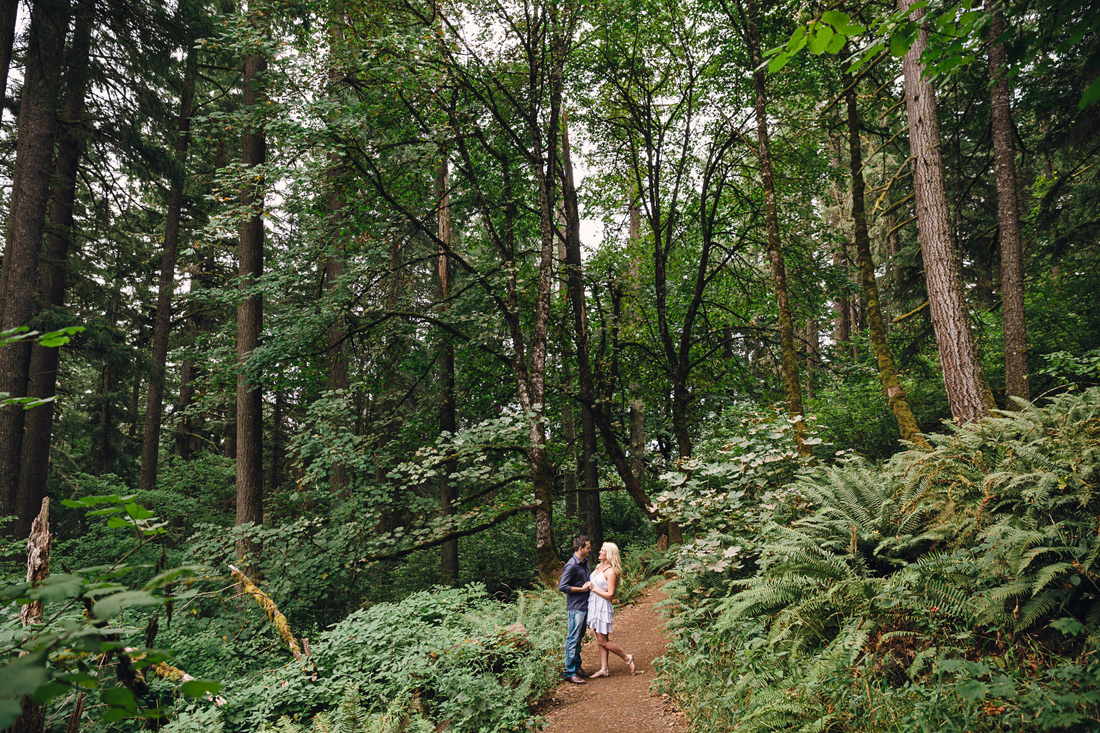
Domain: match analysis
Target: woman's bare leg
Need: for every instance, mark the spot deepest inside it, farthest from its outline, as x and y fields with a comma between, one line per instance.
x=606, y=645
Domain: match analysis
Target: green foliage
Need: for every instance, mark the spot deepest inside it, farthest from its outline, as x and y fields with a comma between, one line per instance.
x=870, y=604
x=446, y=655
x=88, y=619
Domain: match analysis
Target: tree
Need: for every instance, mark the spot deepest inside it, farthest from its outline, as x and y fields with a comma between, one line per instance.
x=42, y=382
x=968, y=392
x=250, y=258
x=37, y=131
x=899, y=405
x=154, y=401
x=788, y=354
x=1008, y=217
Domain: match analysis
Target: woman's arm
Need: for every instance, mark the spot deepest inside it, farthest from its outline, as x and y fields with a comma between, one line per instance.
x=612, y=581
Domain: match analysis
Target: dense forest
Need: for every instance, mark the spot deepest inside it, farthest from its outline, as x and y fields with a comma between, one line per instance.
x=326, y=326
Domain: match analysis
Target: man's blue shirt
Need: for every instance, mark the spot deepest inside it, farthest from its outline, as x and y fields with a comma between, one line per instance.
x=575, y=574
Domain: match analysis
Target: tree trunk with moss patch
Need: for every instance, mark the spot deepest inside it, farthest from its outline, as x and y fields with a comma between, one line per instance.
x=792, y=388
x=888, y=375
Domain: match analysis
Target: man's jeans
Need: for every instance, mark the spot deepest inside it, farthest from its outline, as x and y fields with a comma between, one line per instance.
x=577, y=623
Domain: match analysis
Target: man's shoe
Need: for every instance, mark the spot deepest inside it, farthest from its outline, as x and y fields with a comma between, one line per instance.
x=582, y=674
x=576, y=680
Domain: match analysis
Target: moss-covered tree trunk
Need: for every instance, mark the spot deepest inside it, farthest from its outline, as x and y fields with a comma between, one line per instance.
x=792, y=388
x=888, y=374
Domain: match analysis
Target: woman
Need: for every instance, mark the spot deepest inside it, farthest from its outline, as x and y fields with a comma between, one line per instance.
x=604, y=579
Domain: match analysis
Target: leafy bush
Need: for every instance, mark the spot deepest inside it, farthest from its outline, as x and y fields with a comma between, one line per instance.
x=953, y=588
x=449, y=655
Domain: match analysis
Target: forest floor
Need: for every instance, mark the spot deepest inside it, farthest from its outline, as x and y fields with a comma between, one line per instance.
x=621, y=703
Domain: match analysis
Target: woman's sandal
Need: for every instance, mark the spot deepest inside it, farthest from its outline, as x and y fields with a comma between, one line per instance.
x=630, y=661
x=595, y=675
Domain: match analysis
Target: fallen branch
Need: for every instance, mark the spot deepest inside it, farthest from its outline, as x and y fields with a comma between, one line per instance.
x=273, y=613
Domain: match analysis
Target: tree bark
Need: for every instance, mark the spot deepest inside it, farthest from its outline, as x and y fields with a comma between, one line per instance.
x=448, y=412
x=637, y=403
x=154, y=402
x=968, y=392
x=792, y=389
x=250, y=478
x=37, y=131
x=42, y=382
x=888, y=375
x=9, y=11
x=1008, y=220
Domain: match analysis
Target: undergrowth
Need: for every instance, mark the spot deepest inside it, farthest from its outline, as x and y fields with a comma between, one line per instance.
x=951, y=589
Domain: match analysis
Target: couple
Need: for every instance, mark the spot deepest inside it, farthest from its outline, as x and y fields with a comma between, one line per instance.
x=588, y=603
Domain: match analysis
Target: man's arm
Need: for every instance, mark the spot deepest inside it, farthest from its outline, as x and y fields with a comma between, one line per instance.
x=567, y=577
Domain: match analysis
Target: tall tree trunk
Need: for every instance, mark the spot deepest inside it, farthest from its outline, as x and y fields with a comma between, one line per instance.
x=185, y=427
x=813, y=356
x=37, y=131
x=337, y=378
x=9, y=11
x=788, y=353
x=568, y=414
x=967, y=390
x=636, y=409
x=887, y=372
x=277, y=450
x=250, y=477
x=448, y=408
x=42, y=381
x=1008, y=220
x=154, y=402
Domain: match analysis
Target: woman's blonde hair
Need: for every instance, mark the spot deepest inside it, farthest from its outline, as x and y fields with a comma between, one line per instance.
x=611, y=554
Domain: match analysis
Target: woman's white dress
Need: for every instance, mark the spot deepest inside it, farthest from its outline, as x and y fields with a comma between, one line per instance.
x=599, y=608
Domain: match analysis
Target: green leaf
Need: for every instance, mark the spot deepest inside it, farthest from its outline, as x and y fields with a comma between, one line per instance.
x=1068, y=626
x=169, y=576
x=835, y=18
x=836, y=44
x=198, y=688
x=49, y=691
x=56, y=588
x=9, y=711
x=868, y=55
x=778, y=62
x=137, y=511
x=899, y=45
x=972, y=690
x=821, y=39
x=24, y=675
x=1091, y=95
x=113, y=604
x=797, y=41
x=120, y=697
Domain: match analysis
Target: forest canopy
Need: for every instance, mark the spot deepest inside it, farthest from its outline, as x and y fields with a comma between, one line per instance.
x=323, y=304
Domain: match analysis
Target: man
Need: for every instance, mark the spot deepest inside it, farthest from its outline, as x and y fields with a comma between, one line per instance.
x=575, y=584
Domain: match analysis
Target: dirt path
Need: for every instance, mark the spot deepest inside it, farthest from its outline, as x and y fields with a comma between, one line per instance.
x=620, y=703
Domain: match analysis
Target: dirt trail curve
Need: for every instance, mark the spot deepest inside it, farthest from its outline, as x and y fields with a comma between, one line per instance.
x=620, y=703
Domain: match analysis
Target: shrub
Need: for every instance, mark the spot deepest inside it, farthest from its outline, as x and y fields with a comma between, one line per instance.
x=953, y=588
